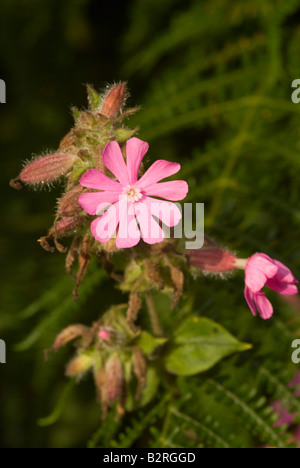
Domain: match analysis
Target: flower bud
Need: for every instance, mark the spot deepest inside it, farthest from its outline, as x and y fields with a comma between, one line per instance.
x=100, y=383
x=67, y=143
x=214, y=260
x=61, y=228
x=134, y=306
x=113, y=101
x=140, y=369
x=68, y=205
x=66, y=226
x=114, y=379
x=79, y=365
x=104, y=335
x=69, y=334
x=46, y=168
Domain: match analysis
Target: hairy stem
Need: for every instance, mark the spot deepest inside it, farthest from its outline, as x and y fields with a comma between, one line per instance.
x=157, y=330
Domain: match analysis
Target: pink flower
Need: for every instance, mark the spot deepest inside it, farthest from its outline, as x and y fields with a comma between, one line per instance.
x=104, y=335
x=131, y=206
x=261, y=271
x=285, y=417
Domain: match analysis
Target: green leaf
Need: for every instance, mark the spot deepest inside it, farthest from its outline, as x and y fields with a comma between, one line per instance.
x=147, y=394
x=148, y=342
x=152, y=383
x=199, y=343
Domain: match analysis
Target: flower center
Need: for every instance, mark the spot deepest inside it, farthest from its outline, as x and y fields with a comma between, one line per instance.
x=133, y=193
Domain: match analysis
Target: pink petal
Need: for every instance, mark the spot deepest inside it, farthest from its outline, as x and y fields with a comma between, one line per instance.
x=128, y=233
x=150, y=229
x=104, y=227
x=282, y=287
x=258, y=269
x=249, y=296
x=135, y=151
x=284, y=274
x=95, y=179
x=113, y=159
x=158, y=171
x=174, y=190
x=167, y=212
x=258, y=301
x=94, y=203
x=264, y=306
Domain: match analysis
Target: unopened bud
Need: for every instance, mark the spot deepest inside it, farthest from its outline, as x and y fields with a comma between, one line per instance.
x=140, y=369
x=61, y=228
x=100, y=383
x=46, y=169
x=68, y=205
x=213, y=260
x=177, y=278
x=69, y=334
x=66, y=226
x=113, y=101
x=114, y=379
x=67, y=142
x=79, y=365
x=104, y=335
x=134, y=306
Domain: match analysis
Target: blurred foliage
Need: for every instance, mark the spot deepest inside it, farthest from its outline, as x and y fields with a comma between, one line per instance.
x=214, y=82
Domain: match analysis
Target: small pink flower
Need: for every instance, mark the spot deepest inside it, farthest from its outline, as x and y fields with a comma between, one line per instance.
x=285, y=417
x=104, y=335
x=131, y=206
x=261, y=271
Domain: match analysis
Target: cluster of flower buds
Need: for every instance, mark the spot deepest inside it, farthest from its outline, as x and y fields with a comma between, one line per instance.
x=109, y=349
x=80, y=150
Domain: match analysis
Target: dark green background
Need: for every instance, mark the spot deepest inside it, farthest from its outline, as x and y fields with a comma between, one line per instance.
x=214, y=82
